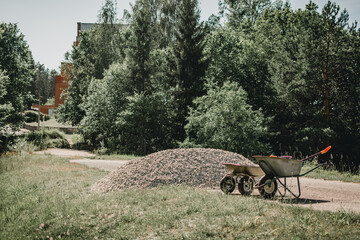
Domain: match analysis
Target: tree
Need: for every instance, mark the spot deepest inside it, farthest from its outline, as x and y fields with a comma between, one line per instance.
x=81, y=74
x=105, y=37
x=43, y=84
x=140, y=46
x=242, y=12
x=17, y=63
x=16, y=74
x=6, y=109
x=312, y=60
x=154, y=132
x=236, y=58
x=97, y=50
x=105, y=99
x=189, y=58
x=223, y=119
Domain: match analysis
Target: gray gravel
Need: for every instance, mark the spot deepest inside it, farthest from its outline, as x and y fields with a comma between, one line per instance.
x=194, y=167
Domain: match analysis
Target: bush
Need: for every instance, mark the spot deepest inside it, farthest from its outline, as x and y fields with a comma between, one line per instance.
x=223, y=119
x=32, y=116
x=47, y=139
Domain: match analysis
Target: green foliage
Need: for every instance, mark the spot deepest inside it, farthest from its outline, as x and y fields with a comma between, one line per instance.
x=243, y=12
x=43, y=85
x=32, y=116
x=140, y=46
x=223, y=119
x=105, y=100
x=189, y=62
x=83, y=65
x=235, y=58
x=145, y=125
x=17, y=63
x=312, y=62
x=5, y=105
x=16, y=74
x=47, y=139
x=97, y=50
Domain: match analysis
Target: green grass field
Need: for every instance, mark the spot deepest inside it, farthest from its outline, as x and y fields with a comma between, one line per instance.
x=44, y=197
x=330, y=174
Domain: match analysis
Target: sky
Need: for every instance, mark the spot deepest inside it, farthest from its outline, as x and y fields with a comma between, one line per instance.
x=49, y=26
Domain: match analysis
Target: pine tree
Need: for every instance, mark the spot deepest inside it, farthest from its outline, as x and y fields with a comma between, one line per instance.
x=140, y=46
x=189, y=58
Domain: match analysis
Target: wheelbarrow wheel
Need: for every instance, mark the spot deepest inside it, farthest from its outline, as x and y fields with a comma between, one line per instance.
x=268, y=190
x=227, y=184
x=246, y=185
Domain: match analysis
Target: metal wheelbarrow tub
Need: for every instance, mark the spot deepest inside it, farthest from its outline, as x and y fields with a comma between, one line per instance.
x=279, y=166
x=236, y=169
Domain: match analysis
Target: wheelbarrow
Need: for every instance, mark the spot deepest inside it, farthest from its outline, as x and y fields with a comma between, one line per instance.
x=270, y=169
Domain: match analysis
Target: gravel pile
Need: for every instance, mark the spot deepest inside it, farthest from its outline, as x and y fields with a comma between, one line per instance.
x=193, y=167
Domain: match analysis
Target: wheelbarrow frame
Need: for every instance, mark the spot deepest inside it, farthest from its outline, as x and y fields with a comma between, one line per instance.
x=270, y=171
x=274, y=168
x=241, y=175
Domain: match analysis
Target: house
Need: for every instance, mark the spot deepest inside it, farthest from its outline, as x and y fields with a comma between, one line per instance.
x=61, y=81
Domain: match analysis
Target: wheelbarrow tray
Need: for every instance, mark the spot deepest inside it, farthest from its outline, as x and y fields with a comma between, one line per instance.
x=280, y=167
x=237, y=169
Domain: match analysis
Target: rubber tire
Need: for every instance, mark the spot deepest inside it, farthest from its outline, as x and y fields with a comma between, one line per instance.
x=268, y=191
x=227, y=184
x=246, y=185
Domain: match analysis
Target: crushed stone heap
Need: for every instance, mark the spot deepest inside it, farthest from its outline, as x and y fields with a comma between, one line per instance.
x=201, y=167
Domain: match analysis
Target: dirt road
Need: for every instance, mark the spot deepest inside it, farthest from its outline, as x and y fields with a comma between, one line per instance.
x=324, y=195
x=83, y=157
x=317, y=194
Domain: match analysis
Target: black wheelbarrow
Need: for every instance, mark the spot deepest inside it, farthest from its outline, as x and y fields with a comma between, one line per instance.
x=271, y=169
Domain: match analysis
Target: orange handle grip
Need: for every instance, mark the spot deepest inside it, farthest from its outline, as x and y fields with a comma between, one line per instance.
x=325, y=150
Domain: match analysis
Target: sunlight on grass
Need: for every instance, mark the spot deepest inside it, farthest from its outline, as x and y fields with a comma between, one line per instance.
x=44, y=196
x=329, y=174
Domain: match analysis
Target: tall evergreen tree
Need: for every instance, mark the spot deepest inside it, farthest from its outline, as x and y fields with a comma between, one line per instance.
x=140, y=46
x=105, y=37
x=43, y=84
x=82, y=72
x=189, y=57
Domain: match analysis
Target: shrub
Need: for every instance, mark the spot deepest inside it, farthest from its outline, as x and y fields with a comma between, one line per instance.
x=47, y=138
x=223, y=119
x=32, y=116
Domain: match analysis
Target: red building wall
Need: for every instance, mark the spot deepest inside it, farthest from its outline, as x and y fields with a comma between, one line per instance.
x=60, y=85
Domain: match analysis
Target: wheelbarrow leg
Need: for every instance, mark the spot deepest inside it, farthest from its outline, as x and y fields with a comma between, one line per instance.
x=282, y=194
x=286, y=188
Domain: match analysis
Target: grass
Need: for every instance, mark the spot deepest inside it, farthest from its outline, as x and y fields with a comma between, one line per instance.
x=51, y=123
x=116, y=157
x=329, y=174
x=45, y=197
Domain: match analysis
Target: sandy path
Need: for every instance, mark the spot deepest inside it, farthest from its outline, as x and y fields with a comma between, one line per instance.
x=83, y=157
x=107, y=165
x=335, y=196
x=316, y=194
x=70, y=153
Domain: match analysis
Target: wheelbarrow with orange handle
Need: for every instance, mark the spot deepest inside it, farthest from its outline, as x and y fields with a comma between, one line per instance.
x=271, y=169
